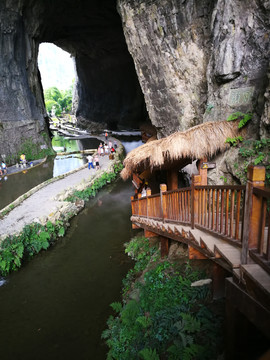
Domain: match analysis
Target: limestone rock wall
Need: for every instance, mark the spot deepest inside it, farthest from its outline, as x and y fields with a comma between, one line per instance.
x=199, y=60
x=170, y=44
x=20, y=90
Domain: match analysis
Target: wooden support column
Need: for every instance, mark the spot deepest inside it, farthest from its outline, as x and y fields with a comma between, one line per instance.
x=218, y=285
x=132, y=205
x=139, y=205
x=148, y=209
x=253, y=208
x=164, y=246
x=134, y=226
x=196, y=181
x=172, y=179
x=163, y=188
x=203, y=172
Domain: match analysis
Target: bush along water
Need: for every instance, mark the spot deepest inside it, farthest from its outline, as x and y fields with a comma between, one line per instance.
x=91, y=191
x=34, y=238
x=162, y=316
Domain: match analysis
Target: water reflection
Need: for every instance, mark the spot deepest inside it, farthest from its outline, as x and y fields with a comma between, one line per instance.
x=65, y=163
x=57, y=305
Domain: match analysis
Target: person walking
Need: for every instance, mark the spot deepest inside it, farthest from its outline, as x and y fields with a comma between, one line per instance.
x=90, y=162
x=106, y=149
x=106, y=135
x=96, y=160
x=99, y=149
x=4, y=167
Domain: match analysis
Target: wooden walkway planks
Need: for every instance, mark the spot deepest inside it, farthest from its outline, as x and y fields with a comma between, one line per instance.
x=257, y=274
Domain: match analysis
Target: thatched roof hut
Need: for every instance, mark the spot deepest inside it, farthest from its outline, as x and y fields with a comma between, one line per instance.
x=204, y=140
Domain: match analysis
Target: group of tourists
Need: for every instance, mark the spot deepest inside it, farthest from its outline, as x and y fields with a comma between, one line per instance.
x=93, y=162
x=103, y=149
x=107, y=148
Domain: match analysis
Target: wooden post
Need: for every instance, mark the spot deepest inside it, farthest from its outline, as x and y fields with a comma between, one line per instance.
x=148, y=193
x=139, y=205
x=163, y=188
x=164, y=246
x=218, y=285
x=132, y=205
x=172, y=179
x=203, y=172
x=196, y=180
x=252, y=211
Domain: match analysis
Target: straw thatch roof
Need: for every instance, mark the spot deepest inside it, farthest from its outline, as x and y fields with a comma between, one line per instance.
x=203, y=140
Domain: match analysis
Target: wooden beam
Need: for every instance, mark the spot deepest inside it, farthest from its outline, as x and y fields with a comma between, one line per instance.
x=255, y=312
x=195, y=254
x=219, y=276
x=164, y=246
x=149, y=234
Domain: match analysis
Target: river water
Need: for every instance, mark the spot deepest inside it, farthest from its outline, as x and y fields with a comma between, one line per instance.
x=56, y=306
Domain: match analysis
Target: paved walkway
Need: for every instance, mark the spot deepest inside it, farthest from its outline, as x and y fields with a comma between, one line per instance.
x=45, y=202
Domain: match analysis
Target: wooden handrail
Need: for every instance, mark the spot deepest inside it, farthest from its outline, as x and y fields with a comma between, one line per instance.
x=236, y=213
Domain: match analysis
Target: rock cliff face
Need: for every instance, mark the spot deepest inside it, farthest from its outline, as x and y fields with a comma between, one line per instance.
x=195, y=61
x=199, y=60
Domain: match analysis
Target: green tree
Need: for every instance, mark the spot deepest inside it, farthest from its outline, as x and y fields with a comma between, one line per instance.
x=60, y=100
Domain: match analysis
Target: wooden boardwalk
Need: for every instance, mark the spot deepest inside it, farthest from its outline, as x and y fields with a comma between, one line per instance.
x=226, y=224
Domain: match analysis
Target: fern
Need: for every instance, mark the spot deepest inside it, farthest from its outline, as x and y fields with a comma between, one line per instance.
x=117, y=307
x=148, y=354
x=234, y=141
x=144, y=321
x=190, y=352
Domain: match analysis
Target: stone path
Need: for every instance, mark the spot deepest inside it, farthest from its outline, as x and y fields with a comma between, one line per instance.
x=46, y=200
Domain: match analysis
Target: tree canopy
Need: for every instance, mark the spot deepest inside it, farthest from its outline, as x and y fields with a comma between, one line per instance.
x=60, y=100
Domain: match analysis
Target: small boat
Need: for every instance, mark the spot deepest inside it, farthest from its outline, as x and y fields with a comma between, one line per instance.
x=14, y=169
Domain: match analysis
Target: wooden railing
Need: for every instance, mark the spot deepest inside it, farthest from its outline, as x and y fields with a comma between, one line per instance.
x=260, y=251
x=238, y=214
x=220, y=210
x=177, y=206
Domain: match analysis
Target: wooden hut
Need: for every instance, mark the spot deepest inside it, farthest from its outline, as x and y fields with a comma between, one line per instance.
x=172, y=153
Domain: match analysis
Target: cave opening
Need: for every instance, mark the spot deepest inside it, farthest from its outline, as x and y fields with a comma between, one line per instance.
x=107, y=90
x=57, y=72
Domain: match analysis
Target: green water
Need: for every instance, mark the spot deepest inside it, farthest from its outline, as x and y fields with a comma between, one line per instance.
x=57, y=305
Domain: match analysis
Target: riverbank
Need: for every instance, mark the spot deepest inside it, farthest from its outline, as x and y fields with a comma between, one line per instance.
x=46, y=202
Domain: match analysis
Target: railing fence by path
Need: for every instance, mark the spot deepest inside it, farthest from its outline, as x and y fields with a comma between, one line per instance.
x=238, y=214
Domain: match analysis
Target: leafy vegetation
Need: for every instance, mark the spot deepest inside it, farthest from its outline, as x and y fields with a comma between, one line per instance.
x=168, y=319
x=31, y=150
x=244, y=118
x=34, y=238
x=256, y=152
x=59, y=100
x=91, y=191
x=235, y=140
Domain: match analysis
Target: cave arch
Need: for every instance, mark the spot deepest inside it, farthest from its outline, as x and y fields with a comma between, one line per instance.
x=108, y=90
